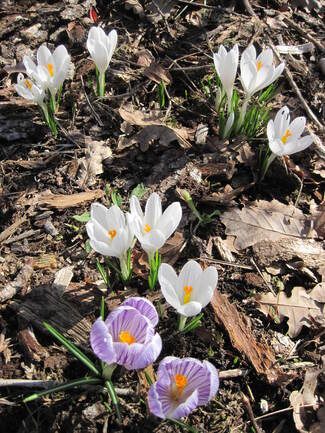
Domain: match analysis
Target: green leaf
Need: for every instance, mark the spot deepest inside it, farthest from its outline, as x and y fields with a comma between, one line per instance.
x=139, y=191
x=87, y=246
x=64, y=387
x=195, y=323
x=102, y=272
x=116, y=198
x=112, y=393
x=102, y=308
x=72, y=348
x=83, y=218
x=182, y=424
x=148, y=378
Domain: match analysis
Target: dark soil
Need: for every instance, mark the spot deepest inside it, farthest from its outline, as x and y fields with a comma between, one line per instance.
x=33, y=162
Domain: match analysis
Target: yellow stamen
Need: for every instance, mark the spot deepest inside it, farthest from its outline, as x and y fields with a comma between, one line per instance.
x=147, y=228
x=126, y=337
x=286, y=136
x=180, y=384
x=50, y=68
x=28, y=84
x=259, y=65
x=112, y=233
x=187, y=296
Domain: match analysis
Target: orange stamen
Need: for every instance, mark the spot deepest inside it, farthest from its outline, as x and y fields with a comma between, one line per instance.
x=259, y=65
x=50, y=68
x=286, y=136
x=126, y=337
x=187, y=296
x=180, y=384
x=147, y=228
x=28, y=84
x=112, y=233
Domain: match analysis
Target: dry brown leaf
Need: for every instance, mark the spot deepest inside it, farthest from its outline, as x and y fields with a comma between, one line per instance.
x=262, y=220
x=143, y=385
x=158, y=73
x=140, y=118
x=63, y=201
x=159, y=9
x=163, y=134
x=172, y=248
x=238, y=326
x=92, y=164
x=287, y=249
x=145, y=58
x=299, y=308
x=136, y=7
x=305, y=402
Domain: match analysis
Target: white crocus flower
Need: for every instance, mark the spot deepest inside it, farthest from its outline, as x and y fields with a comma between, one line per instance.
x=256, y=73
x=29, y=90
x=285, y=137
x=101, y=48
x=51, y=69
x=109, y=233
x=191, y=291
x=226, y=64
x=153, y=227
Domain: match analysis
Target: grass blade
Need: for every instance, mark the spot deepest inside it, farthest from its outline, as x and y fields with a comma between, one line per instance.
x=63, y=387
x=112, y=393
x=72, y=348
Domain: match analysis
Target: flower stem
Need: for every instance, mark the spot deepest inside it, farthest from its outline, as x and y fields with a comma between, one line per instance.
x=242, y=115
x=266, y=164
x=101, y=86
x=125, y=265
x=107, y=370
x=154, y=262
x=181, y=322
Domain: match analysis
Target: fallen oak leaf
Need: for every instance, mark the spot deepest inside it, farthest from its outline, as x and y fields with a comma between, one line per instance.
x=63, y=201
x=263, y=220
x=298, y=308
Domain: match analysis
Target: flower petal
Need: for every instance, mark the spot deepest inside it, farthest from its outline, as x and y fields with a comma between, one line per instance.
x=190, y=309
x=43, y=55
x=153, y=210
x=204, y=287
x=148, y=354
x=186, y=407
x=168, y=281
x=297, y=126
x=145, y=307
x=111, y=42
x=298, y=145
x=101, y=342
x=170, y=219
x=189, y=275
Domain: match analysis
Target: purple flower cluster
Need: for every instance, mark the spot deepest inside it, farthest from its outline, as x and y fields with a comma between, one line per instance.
x=182, y=385
x=127, y=337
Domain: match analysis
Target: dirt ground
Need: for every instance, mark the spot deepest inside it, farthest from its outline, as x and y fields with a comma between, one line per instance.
x=164, y=138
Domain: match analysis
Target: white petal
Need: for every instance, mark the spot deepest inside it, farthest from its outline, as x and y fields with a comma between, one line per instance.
x=277, y=147
x=111, y=43
x=22, y=91
x=298, y=145
x=152, y=241
x=190, y=309
x=249, y=54
x=99, y=55
x=167, y=278
x=205, y=286
x=43, y=55
x=153, y=210
x=266, y=57
x=270, y=130
x=170, y=219
x=190, y=273
x=281, y=121
x=297, y=126
x=135, y=209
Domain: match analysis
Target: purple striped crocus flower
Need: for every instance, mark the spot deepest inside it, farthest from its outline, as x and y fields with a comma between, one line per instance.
x=182, y=385
x=127, y=337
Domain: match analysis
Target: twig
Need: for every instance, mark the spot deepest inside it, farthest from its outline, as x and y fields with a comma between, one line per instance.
x=164, y=18
x=235, y=372
x=262, y=276
x=249, y=8
x=304, y=33
x=100, y=123
x=250, y=412
x=223, y=262
x=201, y=5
